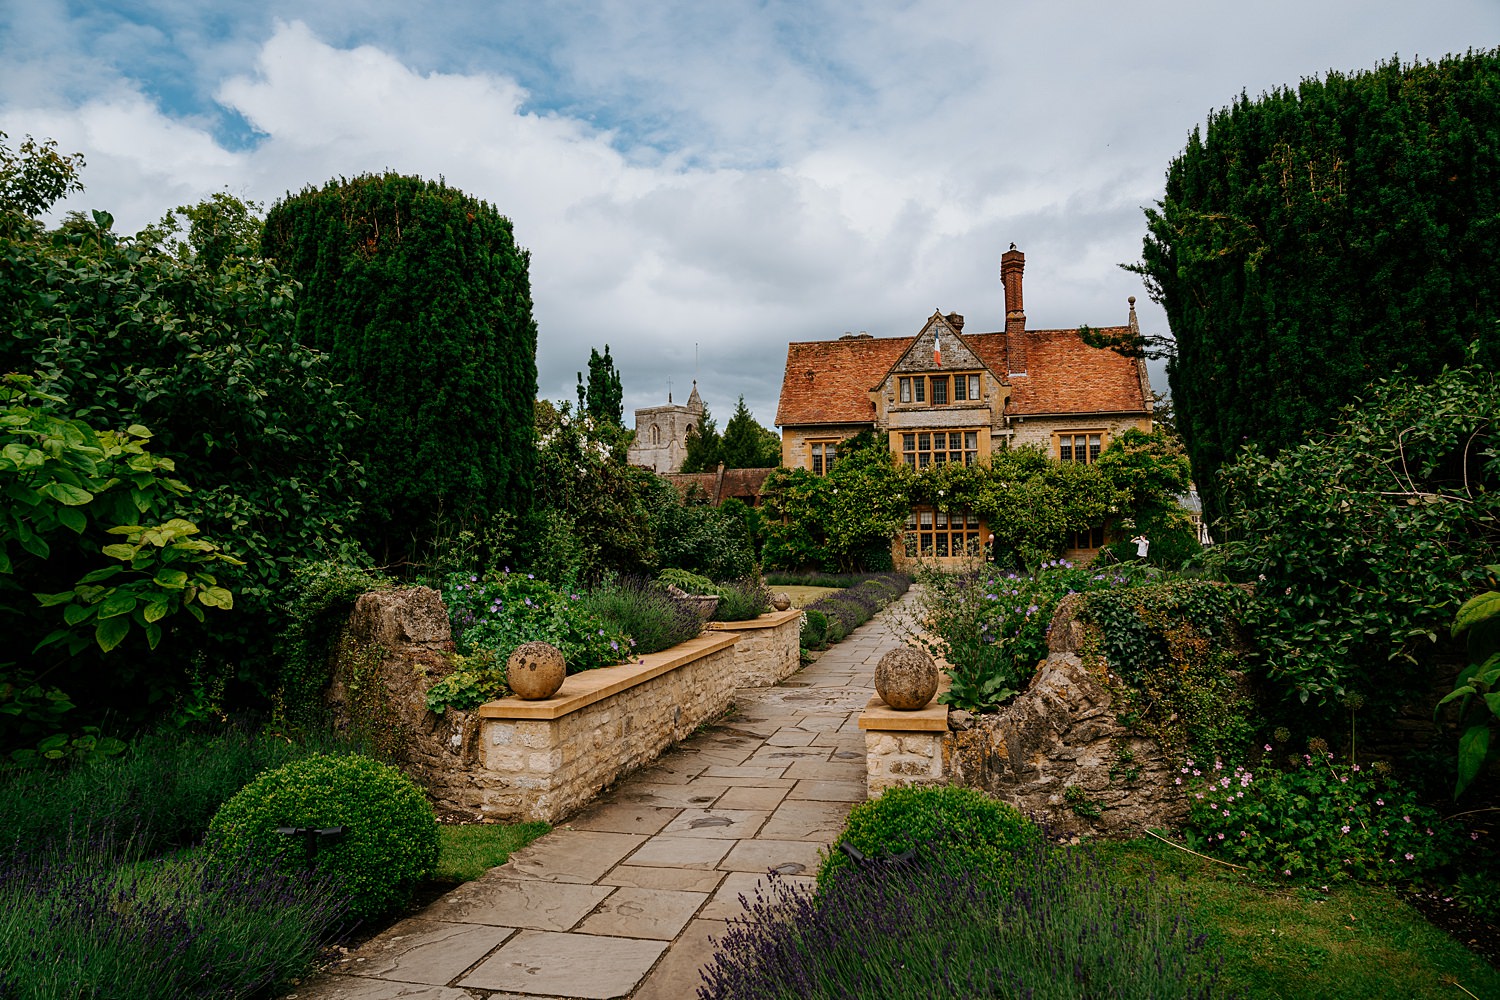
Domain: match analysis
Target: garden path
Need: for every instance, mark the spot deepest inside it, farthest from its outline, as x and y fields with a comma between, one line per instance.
x=622, y=901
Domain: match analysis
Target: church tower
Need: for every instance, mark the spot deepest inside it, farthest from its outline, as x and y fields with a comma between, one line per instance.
x=661, y=433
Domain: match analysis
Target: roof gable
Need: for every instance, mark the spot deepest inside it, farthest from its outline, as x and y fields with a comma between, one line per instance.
x=923, y=354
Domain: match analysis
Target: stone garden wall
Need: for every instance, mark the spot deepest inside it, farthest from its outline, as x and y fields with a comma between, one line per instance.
x=534, y=760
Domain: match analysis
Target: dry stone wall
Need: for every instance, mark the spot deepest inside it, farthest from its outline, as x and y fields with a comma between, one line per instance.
x=1057, y=752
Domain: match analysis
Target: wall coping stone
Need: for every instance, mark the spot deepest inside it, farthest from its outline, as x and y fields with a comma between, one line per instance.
x=770, y=619
x=880, y=717
x=589, y=686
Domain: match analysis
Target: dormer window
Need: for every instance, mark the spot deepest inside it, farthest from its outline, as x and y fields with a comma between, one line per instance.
x=939, y=390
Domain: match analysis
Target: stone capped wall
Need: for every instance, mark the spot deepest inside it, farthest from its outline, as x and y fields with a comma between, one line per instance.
x=769, y=650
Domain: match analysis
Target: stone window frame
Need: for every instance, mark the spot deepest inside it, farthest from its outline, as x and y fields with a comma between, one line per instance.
x=1089, y=538
x=923, y=389
x=821, y=454
x=914, y=455
x=933, y=533
x=1095, y=441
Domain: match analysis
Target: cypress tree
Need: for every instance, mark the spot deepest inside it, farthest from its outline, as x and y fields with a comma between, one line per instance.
x=1314, y=240
x=603, y=398
x=422, y=299
x=746, y=444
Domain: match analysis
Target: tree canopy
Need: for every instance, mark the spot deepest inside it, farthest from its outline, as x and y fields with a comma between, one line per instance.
x=603, y=398
x=422, y=300
x=748, y=445
x=704, y=447
x=1316, y=239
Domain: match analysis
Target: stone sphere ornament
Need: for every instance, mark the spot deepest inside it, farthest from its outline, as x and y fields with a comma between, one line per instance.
x=535, y=670
x=906, y=678
x=780, y=602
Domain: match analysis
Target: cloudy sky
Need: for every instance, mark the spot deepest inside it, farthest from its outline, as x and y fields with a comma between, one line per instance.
x=701, y=182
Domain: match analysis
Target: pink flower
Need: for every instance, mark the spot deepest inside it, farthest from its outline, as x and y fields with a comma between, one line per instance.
x=1344, y=828
x=1410, y=856
x=1221, y=836
x=1380, y=802
x=1176, y=781
x=1268, y=748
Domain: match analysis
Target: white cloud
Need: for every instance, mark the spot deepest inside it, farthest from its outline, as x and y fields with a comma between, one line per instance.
x=759, y=172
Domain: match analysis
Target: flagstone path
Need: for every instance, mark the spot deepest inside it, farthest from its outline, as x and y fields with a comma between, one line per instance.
x=622, y=900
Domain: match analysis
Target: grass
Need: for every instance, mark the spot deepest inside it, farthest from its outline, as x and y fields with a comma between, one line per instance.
x=465, y=852
x=1353, y=942
x=803, y=596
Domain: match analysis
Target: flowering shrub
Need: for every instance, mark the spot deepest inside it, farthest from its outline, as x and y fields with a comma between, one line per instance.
x=991, y=628
x=1315, y=819
x=652, y=618
x=499, y=615
x=843, y=612
x=741, y=600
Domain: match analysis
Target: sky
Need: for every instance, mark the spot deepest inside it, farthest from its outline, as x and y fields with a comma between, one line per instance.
x=700, y=183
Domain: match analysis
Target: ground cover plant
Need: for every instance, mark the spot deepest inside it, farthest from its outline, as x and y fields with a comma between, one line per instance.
x=991, y=627
x=1315, y=818
x=498, y=614
x=965, y=917
x=741, y=600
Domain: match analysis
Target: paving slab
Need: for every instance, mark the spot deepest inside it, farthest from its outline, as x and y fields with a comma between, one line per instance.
x=790, y=857
x=659, y=914
x=742, y=771
x=681, y=852
x=807, y=819
x=433, y=952
x=338, y=987
x=678, y=976
x=571, y=855
x=830, y=791
x=570, y=965
x=643, y=877
x=624, y=817
x=506, y=902
x=827, y=770
x=754, y=887
x=752, y=798
x=790, y=738
x=669, y=795
x=720, y=824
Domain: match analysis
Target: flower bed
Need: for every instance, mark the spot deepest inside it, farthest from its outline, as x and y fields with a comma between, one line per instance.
x=834, y=616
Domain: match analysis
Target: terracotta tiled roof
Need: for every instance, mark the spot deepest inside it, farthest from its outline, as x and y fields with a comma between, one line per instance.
x=828, y=381
x=742, y=483
x=685, y=481
x=717, y=486
x=1065, y=375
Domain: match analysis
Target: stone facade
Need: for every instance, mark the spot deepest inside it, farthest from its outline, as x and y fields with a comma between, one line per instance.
x=769, y=650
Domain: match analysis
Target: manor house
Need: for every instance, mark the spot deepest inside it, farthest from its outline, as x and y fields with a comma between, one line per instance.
x=946, y=395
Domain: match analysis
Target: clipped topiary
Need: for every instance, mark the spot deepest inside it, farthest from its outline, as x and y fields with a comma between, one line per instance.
x=390, y=840
x=946, y=825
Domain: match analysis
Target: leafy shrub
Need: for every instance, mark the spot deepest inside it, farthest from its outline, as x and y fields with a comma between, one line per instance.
x=500, y=614
x=945, y=825
x=741, y=600
x=692, y=583
x=476, y=679
x=1480, y=619
x=72, y=925
x=814, y=629
x=315, y=609
x=837, y=580
x=1051, y=926
x=652, y=618
x=1175, y=650
x=992, y=628
x=1316, y=819
x=157, y=796
x=390, y=841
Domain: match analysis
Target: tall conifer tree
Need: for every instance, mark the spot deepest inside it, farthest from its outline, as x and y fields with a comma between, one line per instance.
x=423, y=300
x=1317, y=239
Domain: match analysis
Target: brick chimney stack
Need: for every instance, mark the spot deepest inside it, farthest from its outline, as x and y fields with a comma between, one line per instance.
x=1012, y=263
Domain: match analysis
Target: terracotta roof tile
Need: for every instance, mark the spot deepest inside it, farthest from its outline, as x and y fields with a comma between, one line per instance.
x=828, y=381
x=1065, y=375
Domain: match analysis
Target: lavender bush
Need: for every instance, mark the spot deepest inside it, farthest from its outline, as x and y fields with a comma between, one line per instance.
x=73, y=924
x=1052, y=926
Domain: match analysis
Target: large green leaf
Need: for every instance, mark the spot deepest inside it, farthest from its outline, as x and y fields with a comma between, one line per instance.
x=1473, y=749
x=1477, y=609
x=111, y=631
x=63, y=493
x=121, y=602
